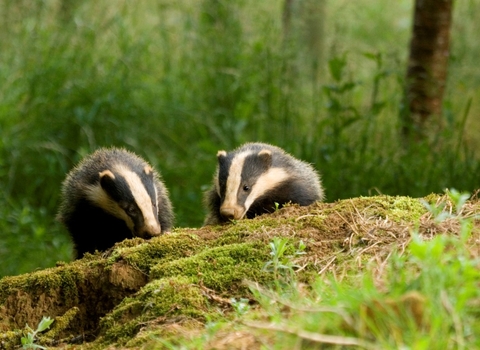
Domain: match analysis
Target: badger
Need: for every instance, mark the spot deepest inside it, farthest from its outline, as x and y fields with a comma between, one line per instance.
x=112, y=195
x=257, y=178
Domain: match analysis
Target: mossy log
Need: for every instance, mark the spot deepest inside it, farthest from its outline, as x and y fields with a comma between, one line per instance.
x=192, y=274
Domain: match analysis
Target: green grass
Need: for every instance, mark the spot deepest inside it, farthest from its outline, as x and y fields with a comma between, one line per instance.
x=29, y=239
x=424, y=301
x=423, y=297
x=177, y=81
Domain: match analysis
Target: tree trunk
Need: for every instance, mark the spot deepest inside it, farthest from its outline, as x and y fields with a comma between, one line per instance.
x=287, y=18
x=314, y=34
x=303, y=32
x=427, y=67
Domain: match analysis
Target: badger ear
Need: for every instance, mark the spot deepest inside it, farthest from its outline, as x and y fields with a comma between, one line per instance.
x=265, y=157
x=221, y=155
x=147, y=170
x=107, y=180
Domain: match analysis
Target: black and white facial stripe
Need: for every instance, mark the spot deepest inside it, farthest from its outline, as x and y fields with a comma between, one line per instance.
x=245, y=177
x=129, y=196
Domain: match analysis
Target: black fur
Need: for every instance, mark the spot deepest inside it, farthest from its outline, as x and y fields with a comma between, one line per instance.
x=93, y=229
x=287, y=192
x=90, y=226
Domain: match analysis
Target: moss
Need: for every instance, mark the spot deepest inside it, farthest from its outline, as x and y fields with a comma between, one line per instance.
x=176, y=286
x=62, y=323
x=220, y=267
x=234, y=233
x=8, y=283
x=68, y=282
x=58, y=279
x=317, y=221
x=167, y=247
x=159, y=298
x=188, y=275
x=172, y=333
x=242, y=230
x=406, y=209
x=432, y=198
x=58, y=327
x=11, y=339
x=239, y=230
x=395, y=208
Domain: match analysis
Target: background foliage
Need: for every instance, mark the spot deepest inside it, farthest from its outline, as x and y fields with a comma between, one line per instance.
x=175, y=81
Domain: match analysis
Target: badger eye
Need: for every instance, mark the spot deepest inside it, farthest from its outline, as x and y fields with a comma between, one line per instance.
x=246, y=188
x=131, y=211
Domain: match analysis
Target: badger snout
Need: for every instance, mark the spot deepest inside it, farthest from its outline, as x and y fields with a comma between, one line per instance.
x=231, y=213
x=148, y=231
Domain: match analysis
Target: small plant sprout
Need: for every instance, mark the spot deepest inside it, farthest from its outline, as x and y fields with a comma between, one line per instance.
x=28, y=342
x=240, y=306
x=458, y=198
x=438, y=210
x=282, y=265
x=277, y=205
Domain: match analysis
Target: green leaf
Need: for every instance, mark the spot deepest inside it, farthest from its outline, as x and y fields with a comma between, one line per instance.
x=44, y=324
x=458, y=198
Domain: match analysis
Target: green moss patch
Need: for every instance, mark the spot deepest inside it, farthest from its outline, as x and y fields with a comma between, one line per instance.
x=188, y=288
x=163, y=248
x=220, y=268
x=156, y=302
x=395, y=208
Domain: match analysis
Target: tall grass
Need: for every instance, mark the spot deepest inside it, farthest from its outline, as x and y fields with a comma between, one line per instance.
x=176, y=81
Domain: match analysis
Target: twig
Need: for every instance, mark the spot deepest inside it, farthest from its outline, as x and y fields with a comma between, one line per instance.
x=309, y=308
x=211, y=294
x=315, y=337
x=327, y=265
x=304, y=216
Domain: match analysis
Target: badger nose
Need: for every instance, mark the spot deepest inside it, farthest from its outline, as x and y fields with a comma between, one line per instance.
x=150, y=231
x=154, y=230
x=228, y=213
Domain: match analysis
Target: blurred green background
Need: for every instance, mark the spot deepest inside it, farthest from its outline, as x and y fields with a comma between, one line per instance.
x=175, y=81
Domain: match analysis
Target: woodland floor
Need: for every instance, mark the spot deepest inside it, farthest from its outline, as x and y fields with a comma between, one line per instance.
x=171, y=285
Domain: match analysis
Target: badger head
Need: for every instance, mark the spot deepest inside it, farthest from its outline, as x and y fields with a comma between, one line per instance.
x=130, y=196
x=244, y=177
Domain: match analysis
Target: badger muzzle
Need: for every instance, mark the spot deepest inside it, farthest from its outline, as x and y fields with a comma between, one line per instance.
x=148, y=230
x=230, y=212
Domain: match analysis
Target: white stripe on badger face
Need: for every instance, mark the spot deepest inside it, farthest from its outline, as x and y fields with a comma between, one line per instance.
x=234, y=180
x=97, y=195
x=266, y=182
x=142, y=199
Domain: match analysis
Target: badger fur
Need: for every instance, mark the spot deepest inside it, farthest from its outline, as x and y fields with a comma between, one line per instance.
x=250, y=180
x=111, y=195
